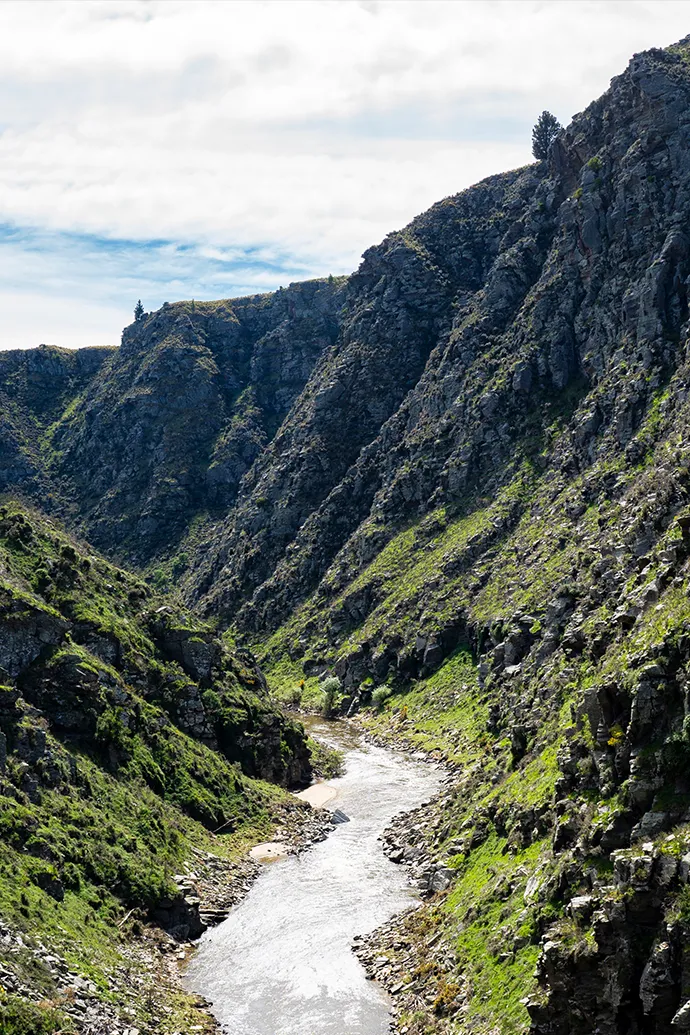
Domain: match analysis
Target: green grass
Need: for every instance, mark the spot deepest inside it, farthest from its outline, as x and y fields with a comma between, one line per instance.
x=114, y=845
x=494, y=931
x=489, y=921
x=19, y=1017
x=290, y=685
x=421, y=568
x=442, y=714
x=105, y=796
x=327, y=762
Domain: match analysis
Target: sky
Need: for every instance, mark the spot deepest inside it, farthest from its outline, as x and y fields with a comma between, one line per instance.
x=168, y=150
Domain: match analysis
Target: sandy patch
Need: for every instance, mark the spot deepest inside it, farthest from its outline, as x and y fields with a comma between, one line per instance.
x=318, y=795
x=267, y=851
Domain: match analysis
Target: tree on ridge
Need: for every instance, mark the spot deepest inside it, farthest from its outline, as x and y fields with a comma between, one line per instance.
x=546, y=128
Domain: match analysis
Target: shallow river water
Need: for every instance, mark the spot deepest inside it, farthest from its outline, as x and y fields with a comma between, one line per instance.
x=281, y=964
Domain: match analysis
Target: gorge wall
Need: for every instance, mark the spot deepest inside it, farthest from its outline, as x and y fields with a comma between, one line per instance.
x=460, y=474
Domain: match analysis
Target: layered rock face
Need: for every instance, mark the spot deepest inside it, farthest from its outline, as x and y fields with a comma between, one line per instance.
x=344, y=440
x=559, y=287
x=135, y=443
x=194, y=395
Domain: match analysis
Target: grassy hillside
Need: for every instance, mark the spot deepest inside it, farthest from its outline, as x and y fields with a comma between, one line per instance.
x=128, y=735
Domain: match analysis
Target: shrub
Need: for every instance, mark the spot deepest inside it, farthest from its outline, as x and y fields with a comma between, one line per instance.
x=616, y=736
x=179, y=565
x=160, y=579
x=326, y=762
x=296, y=695
x=18, y=1017
x=380, y=696
x=331, y=691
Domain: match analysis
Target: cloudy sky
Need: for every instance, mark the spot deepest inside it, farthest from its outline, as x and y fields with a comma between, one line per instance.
x=169, y=150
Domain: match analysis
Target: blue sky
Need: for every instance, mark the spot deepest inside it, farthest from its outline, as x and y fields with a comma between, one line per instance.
x=209, y=149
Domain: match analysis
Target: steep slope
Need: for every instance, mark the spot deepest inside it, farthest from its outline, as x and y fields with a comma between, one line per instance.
x=36, y=387
x=309, y=491
x=77, y=633
x=459, y=481
x=526, y=504
x=194, y=394
x=128, y=734
x=526, y=294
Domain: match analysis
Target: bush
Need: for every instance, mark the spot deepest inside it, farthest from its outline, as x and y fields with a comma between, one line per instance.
x=331, y=691
x=295, y=699
x=380, y=696
x=18, y=1017
x=296, y=694
x=179, y=565
x=326, y=762
x=160, y=579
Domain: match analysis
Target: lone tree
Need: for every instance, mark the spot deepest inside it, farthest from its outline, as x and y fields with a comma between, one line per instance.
x=546, y=129
x=138, y=310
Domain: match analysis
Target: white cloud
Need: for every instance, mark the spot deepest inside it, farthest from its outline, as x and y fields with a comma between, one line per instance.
x=302, y=129
x=29, y=318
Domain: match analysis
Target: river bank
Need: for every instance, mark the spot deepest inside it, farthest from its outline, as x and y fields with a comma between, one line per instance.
x=409, y=955
x=144, y=994
x=404, y=955
x=148, y=991
x=282, y=962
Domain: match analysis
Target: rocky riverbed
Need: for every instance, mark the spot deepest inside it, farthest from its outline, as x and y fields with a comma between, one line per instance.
x=144, y=994
x=144, y=989
x=409, y=955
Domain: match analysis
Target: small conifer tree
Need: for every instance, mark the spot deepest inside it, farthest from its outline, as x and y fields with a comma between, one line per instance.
x=138, y=310
x=546, y=129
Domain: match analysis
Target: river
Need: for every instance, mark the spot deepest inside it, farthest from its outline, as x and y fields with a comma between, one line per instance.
x=281, y=963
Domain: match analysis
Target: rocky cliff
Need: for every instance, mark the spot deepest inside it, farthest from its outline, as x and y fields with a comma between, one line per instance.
x=469, y=341
x=136, y=444
x=458, y=480
x=518, y=498
x=36, y=387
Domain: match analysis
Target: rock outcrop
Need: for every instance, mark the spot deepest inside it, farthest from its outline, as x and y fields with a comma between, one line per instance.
x=556, y=294
x=162, y=432
x=36, y=386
